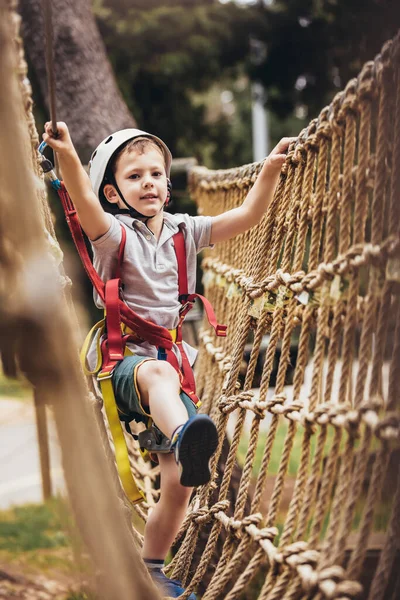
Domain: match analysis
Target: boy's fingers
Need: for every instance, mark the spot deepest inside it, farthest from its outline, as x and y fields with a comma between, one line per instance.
x=278, y=157
x=284, y=144
x=60, y=129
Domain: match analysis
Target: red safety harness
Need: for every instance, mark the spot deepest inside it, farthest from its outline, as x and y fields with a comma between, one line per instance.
x=118, y=312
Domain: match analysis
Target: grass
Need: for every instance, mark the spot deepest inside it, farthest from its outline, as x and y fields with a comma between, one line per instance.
x=14, y=388
x=277, y=449
x=382, y=509
x=41, y=537
x=33, y=527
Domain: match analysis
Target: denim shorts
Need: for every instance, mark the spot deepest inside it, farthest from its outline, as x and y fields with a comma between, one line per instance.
x=127, y=393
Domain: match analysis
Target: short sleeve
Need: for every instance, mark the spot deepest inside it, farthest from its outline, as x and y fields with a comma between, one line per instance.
x=201, y=231
x=110, y=239
x=105, y=254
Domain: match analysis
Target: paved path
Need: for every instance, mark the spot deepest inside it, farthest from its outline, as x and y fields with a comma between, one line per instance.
x=20, y=478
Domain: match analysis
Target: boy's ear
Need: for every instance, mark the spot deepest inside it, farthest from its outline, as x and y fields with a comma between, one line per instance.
x=110, y=193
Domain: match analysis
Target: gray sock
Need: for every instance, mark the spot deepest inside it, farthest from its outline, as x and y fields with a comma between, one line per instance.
x=154, y=563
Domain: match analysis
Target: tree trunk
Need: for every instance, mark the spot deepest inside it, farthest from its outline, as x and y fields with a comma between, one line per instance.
x=87, y=97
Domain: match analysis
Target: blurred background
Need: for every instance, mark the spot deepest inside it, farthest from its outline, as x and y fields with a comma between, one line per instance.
x=186, y=69
x=220, y=81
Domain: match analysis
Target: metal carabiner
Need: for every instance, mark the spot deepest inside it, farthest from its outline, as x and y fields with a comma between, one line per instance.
x=48, y=168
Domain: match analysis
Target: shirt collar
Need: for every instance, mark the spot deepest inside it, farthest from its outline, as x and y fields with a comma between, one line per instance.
x=172, y=221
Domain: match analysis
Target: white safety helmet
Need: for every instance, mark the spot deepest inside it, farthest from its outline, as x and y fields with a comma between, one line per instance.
x=105, y=150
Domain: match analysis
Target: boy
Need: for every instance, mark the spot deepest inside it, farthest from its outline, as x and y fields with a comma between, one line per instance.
x=129, y=185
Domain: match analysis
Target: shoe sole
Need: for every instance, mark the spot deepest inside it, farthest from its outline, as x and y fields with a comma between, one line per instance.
x=198, y=444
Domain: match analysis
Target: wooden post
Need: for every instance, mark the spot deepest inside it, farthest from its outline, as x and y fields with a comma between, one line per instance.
x=43, y=441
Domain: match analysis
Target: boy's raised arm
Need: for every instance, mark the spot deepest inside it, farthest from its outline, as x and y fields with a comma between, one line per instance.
x=94, y=221
x=238, y=220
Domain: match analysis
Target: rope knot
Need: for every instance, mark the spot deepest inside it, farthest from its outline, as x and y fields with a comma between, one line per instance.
x=335, y=120
x=245, y=395
x=253, y=519
x=295, y=548
x=203, y=514
x=243, y=400
x=275, y=404
x=333, y=585
x=267, y=533
x=389, y=428
x=228, y=404
x=324, y=129
x=367, y=88
x=349, y=101
x=311, y=143
x=308, y=420
x=292, y=410
x=237, y=526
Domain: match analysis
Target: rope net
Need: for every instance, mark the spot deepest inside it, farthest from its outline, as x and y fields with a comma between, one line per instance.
x=311, y=300
x=310, y=366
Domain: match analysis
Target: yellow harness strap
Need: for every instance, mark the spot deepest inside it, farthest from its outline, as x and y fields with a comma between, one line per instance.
x=104, y=378
x=121, y=451
x=86, y=345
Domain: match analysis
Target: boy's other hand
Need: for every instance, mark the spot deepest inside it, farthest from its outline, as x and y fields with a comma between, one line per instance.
x=277, y=157
x=62, y=143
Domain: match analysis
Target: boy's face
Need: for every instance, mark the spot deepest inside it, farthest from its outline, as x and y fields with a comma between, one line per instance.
x=142, y=180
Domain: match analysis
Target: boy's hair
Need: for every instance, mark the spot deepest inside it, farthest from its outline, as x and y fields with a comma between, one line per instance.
x=139, y=144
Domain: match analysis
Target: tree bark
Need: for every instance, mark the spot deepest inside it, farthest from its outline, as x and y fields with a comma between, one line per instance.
x=87, y=96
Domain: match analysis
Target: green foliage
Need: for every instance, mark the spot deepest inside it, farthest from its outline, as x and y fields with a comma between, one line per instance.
x=323, y=42
x=169, y=57
x=33, y=526
x=14, y=388
x=277, y=451
x=166, y=55
x=80, y=596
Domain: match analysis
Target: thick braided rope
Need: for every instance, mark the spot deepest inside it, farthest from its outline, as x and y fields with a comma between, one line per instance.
x=305, y=265
x=323, y=260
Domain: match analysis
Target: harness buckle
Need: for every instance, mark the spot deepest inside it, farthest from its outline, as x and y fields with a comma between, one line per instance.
x=188, y=305
x=220, y=330
x=105, y=374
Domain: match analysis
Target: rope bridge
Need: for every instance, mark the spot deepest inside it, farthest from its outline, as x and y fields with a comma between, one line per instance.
x=320, y=273
x=311, y=299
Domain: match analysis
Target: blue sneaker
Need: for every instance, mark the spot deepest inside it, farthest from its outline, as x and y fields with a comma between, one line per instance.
x=193, y=446
x=169, y=587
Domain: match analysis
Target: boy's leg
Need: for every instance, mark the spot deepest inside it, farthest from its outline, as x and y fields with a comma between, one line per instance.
x=166, y=517
x=159, y=388
x=194, y=440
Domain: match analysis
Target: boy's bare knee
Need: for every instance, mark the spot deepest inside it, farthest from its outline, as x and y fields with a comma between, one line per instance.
x=153, y=372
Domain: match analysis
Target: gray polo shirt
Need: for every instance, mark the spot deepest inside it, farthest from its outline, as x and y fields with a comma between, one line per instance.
x=149, y=268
